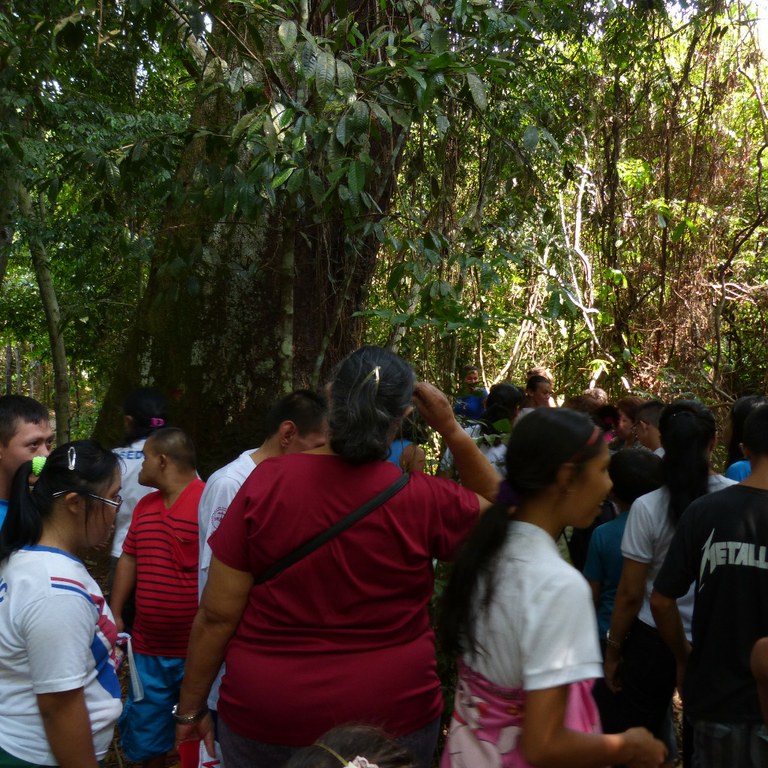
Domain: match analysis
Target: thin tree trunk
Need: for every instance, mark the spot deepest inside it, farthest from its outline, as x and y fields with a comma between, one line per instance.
x=53, y=319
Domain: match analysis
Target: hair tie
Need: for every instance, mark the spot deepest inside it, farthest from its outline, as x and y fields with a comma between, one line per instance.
x=358, y=762
x=37, y=465
x=508, y=495
x=71, y=458
x=156, y=421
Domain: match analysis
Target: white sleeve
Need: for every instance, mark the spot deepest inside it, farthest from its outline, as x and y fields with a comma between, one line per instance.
x=214, y=502
x=59, y=632
x=639, y=535
x=559, y=637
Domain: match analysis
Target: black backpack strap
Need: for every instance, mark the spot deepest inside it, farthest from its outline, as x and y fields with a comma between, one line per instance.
x=339, y=527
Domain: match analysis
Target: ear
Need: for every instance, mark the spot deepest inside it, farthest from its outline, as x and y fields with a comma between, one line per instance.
x=286, y=433
x=163, y=461
x=747, y=453
x=74, y=503
x=565, y=477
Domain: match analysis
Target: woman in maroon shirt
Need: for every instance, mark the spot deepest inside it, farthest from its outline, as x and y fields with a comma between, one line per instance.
x=343, y=634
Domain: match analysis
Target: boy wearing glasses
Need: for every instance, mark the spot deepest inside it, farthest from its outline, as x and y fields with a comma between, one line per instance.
x=160, y=559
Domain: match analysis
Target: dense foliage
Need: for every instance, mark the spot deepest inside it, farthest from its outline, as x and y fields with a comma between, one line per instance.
x=576, y=185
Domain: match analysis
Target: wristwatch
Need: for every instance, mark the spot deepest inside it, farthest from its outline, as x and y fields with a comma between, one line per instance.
x=194, y=717
x=610, y=641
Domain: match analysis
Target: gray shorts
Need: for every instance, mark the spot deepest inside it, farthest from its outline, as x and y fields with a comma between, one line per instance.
x=729, y=745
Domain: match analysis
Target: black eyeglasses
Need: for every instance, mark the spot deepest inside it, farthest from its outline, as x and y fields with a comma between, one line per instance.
x=115, y=502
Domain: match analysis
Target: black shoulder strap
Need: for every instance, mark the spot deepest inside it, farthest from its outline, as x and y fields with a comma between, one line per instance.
x=322, y=538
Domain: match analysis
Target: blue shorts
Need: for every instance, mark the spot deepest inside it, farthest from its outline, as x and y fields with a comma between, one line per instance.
x=146, y=727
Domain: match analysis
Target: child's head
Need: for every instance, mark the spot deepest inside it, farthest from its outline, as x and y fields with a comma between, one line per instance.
x=545, y=439
x=359, y=746
x=755, y=437
x=740, y=410
x=168, y=450
x=647, y=424
x=25, y=432
x=634, y=472
x=146, y=410
x=501, y=407
x=80, y=475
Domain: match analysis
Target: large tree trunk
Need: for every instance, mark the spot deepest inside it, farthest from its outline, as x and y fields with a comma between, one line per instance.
x=239, y=309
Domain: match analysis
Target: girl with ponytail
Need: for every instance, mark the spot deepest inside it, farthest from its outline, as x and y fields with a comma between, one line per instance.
x=639, y=668
x=521, y=619
x=59, y=694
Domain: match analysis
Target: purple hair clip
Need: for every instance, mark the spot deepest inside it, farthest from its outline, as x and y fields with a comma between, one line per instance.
x=156, y=421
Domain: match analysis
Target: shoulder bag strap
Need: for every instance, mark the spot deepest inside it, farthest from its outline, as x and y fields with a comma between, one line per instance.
x=339, y=527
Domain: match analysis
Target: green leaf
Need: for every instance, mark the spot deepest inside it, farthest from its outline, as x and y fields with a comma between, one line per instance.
x=356, y=177
x=661, y=220
x=14, y=146
x=531, y=138
x=325, y=74
x=309, y=54
x=243, y=124
x=443, y=124
x=439, y=40
x=345, y=78
x=417, y=76
x=111, y=172
x=342, y=130
x=381, y=115
x=477, y=89
x=282, y=177
x=286, y=33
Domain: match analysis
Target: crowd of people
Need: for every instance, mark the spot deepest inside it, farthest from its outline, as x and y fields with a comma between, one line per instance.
x=279, y=614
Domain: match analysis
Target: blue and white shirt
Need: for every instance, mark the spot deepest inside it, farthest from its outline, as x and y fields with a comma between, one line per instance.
x=56, y=634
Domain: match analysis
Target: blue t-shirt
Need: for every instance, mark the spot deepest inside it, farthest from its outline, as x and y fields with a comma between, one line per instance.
x=3, y=511
x=396, y=451
x=604, y=564
x=739, y=470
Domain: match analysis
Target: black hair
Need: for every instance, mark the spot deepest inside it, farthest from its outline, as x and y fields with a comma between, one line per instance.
x=370, y=392
x=650, y=412
x=740, y=410
x=16, y=408
x=687, y=429
x=502, y=405
x=541, y=442
x=349, y=742
x=175, y=444
x=535, y=380
x=467, y=368
x=306, y=409
x=635, y=472
x=607, y=417
x=755, y=436
x=148, y=410
x=93, y=468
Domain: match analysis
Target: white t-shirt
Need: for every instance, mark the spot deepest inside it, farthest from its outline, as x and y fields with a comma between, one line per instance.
x=56, y=634
x=493, y=447
x=131, y=458
x=540, y=630
x=221, y=488
x=646, y=539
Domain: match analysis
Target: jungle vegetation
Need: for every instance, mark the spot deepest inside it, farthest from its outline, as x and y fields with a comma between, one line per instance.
x=221, y=198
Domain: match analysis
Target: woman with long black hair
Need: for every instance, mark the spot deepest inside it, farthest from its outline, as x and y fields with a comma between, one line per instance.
x=522, y=620
x=59, y=694
x=638, y=664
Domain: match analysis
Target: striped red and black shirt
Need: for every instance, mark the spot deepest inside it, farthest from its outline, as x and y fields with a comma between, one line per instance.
x=165, y=545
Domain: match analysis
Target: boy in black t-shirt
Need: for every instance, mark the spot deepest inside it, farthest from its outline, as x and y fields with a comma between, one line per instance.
x=721, y=543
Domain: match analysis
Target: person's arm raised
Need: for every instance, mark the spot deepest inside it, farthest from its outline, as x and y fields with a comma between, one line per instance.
x=474, y=469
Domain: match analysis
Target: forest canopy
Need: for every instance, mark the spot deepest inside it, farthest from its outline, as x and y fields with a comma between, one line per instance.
x=221, y=199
